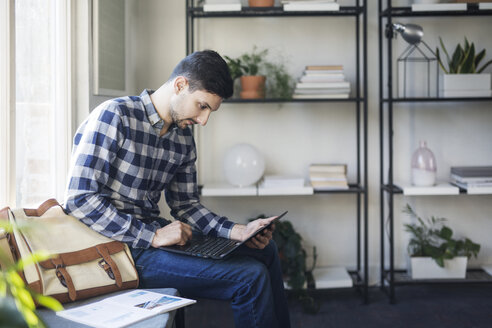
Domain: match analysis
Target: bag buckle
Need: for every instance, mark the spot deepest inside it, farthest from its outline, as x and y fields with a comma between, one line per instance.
x=105, y=266
x=60, y=276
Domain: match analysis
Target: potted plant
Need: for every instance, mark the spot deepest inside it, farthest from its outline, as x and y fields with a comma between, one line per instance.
x=463, y=76
x=261, y=3
x=434, y=253
x=253, y=68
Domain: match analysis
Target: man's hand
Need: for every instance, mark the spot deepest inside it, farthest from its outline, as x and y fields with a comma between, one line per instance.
x=175, y=233
x=242, y=232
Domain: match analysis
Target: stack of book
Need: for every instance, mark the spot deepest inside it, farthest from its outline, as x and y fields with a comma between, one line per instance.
x=322, y=82
x=310, y=5
x=328, y=176
x=475, y=179
x=283, y=185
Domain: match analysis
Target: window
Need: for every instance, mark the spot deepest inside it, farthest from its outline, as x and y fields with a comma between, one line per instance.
x=40, y=125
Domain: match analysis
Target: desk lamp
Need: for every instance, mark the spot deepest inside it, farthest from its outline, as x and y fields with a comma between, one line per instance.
x=413, y=35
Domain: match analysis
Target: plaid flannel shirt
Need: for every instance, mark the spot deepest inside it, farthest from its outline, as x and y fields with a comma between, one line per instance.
x=120, y=166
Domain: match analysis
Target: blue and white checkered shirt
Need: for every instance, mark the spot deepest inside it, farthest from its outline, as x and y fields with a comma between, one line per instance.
x=120, y=166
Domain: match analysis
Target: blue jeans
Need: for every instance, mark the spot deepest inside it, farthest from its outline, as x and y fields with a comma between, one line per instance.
x=251, y=279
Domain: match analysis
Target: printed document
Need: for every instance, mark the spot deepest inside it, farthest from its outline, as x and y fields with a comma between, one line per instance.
x=124, y=309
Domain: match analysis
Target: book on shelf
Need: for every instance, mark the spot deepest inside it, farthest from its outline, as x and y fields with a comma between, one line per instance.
x=124, y=309
x=323, y=85
x=321, y=96
x=471, y=180
x=318, y=91
x=323, y=176
x=472, y=171
x=311, y=6
x=328, y=168
x=321, y=72
x=222, y=5
x=328, y=68
x=329, y=185
x=439, y=7
x=336, y=77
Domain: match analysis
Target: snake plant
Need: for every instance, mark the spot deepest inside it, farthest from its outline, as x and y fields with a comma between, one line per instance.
x=464, y=60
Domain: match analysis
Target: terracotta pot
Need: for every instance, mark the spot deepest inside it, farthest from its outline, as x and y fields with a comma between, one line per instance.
x=261, y=3
x=253, y=86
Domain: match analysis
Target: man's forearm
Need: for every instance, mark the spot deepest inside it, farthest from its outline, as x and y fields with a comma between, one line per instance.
x=237, y=232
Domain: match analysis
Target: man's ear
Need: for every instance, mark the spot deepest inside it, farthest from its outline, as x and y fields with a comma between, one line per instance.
x=180, y=84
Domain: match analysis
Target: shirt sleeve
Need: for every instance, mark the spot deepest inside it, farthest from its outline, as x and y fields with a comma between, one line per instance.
x=95, y=148
x=183, y=200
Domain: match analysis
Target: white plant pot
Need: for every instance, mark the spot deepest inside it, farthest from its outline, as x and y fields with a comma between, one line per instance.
x=427, y=268
x=466, y=85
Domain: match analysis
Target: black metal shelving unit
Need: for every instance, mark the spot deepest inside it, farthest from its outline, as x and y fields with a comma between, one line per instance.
x=390, y=277
x=359, y=14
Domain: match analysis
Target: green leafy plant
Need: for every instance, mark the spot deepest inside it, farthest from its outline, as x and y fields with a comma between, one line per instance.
x=464, y=60
x=432, y=238
x=279, y=82
x=248, y=63
x=16, y=298
x=293, y=262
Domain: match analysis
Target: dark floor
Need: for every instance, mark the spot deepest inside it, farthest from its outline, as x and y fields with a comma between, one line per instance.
x=417, y=306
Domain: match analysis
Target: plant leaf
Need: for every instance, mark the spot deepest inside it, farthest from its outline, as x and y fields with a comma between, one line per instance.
x=445, y=233
x=32, y=258
x=484, y=66
x=479, y=57
x=441, y=64
x=467, y=64
x=456, y=60
x=445, y=51
x=48, y=302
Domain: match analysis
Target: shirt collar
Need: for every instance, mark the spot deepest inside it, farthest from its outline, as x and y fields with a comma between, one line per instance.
x=155, y=120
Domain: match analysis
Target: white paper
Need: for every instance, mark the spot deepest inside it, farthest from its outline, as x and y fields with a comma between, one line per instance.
x=124, y=309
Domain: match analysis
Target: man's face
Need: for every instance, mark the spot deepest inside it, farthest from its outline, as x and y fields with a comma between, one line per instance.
x=193, y=108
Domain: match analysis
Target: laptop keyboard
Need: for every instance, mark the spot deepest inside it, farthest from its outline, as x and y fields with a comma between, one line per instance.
x=211, y=246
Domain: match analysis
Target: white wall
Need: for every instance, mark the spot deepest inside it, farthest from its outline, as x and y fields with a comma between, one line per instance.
x=291, y=136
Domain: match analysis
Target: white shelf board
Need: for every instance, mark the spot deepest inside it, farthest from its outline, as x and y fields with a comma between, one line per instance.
x=439, y=7
x=331, y=277
x=224, y=189
x=285, y=191
x=487, y=268
x=479, y=190
x=440, y=188
x=485, y=6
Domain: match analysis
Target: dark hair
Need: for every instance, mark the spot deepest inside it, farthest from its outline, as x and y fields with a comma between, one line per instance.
x=205, y=70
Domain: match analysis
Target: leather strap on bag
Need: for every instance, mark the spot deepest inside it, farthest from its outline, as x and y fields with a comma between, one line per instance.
x=85, y=255
x=109, y=266
x=64, y=277
x=42, y=208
